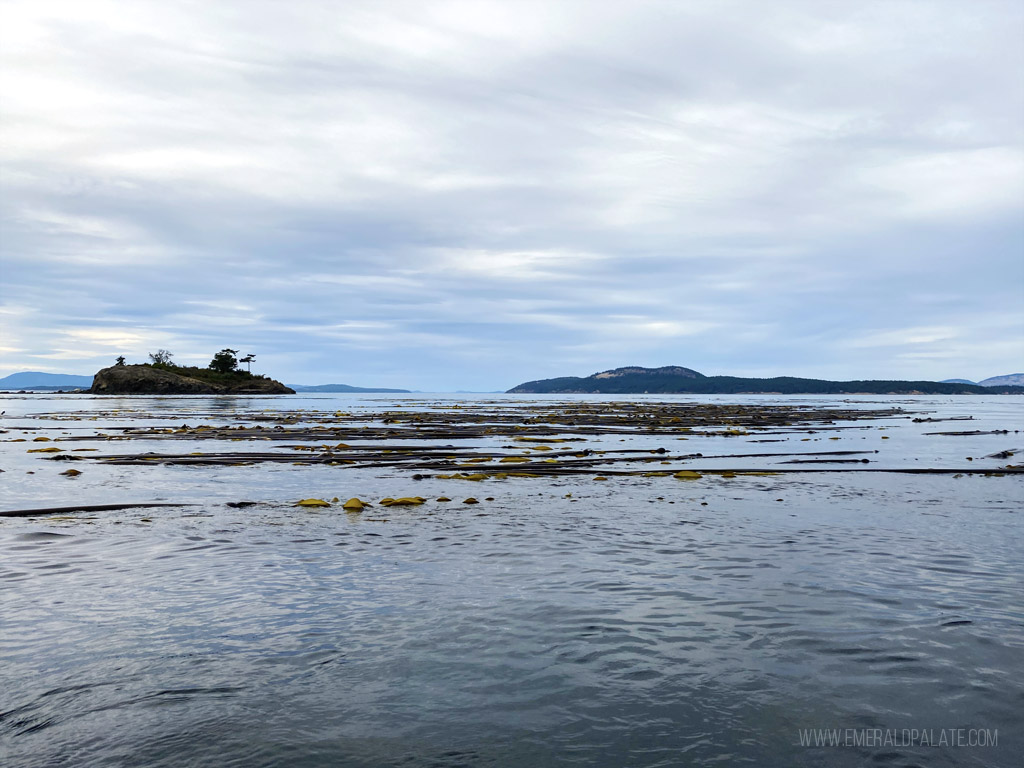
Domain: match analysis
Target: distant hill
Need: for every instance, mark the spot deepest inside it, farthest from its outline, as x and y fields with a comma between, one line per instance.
x=1009, y=380
x=341, y=388
x=666, y=370
x=636, y=380
x=38, y=380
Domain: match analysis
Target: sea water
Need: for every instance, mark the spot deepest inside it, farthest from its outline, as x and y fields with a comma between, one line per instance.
x=827, y=618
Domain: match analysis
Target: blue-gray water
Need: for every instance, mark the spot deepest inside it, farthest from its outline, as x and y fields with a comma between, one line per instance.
x=631, y=622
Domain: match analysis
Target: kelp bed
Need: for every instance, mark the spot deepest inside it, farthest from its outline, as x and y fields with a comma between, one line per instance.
x=498, y=440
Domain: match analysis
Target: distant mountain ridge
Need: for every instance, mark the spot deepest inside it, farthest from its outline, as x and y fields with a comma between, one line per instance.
x=342, y=388
x=1009, y=380
x=676, y=379
x=37, y=379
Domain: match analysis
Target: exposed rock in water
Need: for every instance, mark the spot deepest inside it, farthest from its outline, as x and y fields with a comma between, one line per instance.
x=146, y=380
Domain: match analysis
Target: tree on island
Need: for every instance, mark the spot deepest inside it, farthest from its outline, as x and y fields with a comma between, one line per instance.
x=248, y=362
x=120, y=360
x=225, y=361
x=161, y=357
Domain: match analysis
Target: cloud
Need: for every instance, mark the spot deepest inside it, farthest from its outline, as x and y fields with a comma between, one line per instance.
x=472, y=194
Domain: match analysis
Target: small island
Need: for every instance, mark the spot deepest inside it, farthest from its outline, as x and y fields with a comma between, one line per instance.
x=162, y=377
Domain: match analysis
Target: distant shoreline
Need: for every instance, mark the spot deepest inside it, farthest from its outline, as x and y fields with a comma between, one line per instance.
x=683, y=381
x=55, y=391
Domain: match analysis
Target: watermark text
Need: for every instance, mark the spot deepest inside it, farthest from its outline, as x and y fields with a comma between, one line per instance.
x=898, y=737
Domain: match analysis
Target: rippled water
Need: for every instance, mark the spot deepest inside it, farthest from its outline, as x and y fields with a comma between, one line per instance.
x=634, y=622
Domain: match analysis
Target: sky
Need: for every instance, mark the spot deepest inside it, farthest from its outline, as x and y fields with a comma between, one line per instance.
x=469, y=195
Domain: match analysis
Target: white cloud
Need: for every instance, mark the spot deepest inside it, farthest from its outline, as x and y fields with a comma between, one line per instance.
x=818, y=190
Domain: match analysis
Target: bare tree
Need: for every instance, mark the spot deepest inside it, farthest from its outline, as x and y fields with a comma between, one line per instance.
x=161, y=356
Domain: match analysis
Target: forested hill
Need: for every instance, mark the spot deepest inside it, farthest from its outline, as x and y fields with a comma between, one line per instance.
x=665, y=381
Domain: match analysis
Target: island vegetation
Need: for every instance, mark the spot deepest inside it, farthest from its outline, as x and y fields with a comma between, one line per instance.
x=222, y=369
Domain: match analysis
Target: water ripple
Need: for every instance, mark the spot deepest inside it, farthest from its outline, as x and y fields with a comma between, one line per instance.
x=597, y=630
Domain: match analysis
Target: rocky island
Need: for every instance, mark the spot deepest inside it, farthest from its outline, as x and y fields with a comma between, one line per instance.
x=161, y=377
x=147, y=380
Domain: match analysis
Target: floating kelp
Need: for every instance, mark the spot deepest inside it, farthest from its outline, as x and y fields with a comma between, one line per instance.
x=86, y=508
x=527, y=423
x=457, y=441
x=972, y=433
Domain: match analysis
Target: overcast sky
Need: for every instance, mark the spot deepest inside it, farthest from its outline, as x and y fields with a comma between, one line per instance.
x=467, y=195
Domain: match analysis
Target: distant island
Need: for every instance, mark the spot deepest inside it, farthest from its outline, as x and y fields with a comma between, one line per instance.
x=679, y=380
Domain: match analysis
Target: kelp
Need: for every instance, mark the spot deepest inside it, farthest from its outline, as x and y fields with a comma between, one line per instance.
x=456, y=441
x=87, y=508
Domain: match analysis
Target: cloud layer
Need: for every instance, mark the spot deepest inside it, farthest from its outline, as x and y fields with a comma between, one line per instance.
x=471, y=194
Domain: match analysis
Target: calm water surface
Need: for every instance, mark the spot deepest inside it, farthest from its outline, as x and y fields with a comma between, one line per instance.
x=632, y=622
